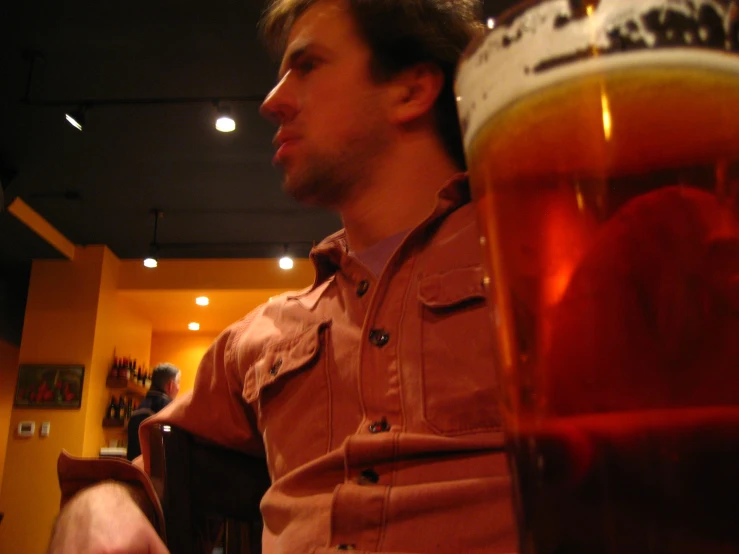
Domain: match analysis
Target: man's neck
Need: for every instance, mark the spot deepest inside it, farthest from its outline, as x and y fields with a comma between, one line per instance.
x=400, y=194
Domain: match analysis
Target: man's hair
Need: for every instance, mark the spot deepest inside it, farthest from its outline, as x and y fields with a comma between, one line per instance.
x=163, y=374
x=400, y=34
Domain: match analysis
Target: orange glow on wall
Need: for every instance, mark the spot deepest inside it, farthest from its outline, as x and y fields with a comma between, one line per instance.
x=59, y=327
x=78, y=312
x=127, y=332
x=184, y=350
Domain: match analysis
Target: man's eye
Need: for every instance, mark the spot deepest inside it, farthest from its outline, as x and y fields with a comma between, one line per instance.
x=305, y=66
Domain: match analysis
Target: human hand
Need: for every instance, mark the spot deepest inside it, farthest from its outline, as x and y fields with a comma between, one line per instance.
x=104, y=519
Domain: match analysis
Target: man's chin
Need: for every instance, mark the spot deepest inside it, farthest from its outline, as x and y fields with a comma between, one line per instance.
x=308, y=192
x=297, y=188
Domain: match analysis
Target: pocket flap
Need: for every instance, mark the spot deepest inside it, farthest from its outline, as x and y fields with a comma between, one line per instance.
x=445, y=290
x=283, y=358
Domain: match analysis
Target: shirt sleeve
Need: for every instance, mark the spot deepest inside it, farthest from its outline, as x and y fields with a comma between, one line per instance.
x=76, y=474
x=215, y=409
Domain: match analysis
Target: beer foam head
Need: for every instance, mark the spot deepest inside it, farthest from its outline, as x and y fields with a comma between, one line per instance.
x=556, y=40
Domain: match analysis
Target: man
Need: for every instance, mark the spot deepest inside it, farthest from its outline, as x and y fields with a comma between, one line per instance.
x=165, y=385
x=372, y=393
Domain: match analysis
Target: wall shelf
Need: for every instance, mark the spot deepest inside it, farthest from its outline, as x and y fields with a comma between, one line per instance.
x=130, y=386
x=112, y=422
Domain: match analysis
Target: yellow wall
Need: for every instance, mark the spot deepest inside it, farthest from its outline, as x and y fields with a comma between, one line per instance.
x=78, y=312
x=182, y=350
x=132, y=338
x=60, y=328
x=104, y=336
x=8, y=376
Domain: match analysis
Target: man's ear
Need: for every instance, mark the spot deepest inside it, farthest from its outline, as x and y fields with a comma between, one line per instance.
x=415, y=91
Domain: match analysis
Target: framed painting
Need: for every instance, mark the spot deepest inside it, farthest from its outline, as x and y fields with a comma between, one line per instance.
x=49, y=386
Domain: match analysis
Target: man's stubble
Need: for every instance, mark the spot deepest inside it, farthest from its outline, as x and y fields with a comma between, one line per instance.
x=331, y=178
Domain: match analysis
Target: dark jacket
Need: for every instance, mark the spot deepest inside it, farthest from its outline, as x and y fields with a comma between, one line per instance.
x=153, y=402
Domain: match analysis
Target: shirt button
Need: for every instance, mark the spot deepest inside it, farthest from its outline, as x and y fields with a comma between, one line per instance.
x=363, y=288
x=381, y=426
x=368, y=477
x=275, y=367
x=379, y=337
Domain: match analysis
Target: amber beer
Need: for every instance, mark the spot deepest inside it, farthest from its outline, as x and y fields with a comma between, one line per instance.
x=607, y=184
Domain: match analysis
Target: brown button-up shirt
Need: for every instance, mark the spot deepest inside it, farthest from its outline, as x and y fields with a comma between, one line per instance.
x=374, y=400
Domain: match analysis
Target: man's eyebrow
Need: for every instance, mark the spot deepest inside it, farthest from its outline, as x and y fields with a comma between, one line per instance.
x=291, y=59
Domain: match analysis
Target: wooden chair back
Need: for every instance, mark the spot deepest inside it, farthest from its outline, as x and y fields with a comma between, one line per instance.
x=209, y=494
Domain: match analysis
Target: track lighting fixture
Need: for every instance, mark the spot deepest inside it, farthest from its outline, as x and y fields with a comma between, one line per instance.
x=286, y=262
x=76, y=117
x=152, y=260
x=225, y=122
x=76, y=114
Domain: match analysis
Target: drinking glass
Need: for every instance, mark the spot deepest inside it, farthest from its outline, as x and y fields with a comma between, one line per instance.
x=602, y=139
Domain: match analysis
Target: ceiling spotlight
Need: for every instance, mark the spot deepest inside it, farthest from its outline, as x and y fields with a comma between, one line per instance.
x=225, y=123
x=286, y=262
x=193, y=326
x=152, y=260
x=202, y=301
x=76, y=118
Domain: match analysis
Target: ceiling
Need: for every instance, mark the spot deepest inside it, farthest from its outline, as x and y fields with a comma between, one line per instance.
x=172, y=311
x=219, y=193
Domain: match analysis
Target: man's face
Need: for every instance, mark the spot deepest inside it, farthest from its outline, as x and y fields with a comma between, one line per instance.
x=173, y=387
x=332, y=117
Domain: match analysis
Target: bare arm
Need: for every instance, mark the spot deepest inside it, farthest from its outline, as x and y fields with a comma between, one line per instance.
x=107, y=518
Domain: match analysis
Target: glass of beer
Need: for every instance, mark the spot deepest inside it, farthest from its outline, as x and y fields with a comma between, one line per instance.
x=602, y=139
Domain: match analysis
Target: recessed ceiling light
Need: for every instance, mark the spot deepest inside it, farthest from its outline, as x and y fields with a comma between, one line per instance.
x=194, y=326
x=225, y=122
x=286, y=262
x=202, y=301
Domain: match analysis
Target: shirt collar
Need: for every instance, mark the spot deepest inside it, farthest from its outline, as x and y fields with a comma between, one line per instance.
x=154, y=392
x=328, y=255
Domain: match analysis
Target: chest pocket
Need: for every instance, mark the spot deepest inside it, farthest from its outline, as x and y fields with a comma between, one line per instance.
x=459, y=386
x=288, y=388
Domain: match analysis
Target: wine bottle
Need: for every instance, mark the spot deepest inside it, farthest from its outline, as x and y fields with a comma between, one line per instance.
x=122, y=408
x=112, y=408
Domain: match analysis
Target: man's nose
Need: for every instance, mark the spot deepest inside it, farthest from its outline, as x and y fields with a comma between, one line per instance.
x=278, y=106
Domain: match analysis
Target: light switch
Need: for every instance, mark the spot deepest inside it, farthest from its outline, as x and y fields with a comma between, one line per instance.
x=45, y=428
x=26, y=428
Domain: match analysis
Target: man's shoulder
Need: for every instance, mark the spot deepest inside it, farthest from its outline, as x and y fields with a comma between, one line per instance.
x=455, y=243
x=281, y=317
